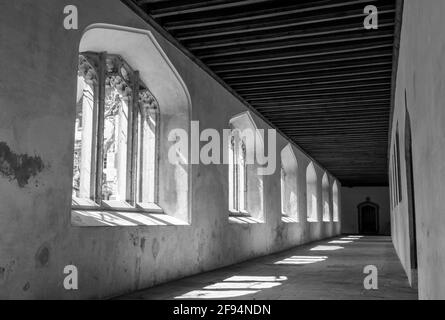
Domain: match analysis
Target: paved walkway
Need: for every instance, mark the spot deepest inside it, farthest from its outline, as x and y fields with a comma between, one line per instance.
x=330, y=269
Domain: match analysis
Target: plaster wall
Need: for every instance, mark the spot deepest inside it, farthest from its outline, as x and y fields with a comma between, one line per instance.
x=38, y=59
x=420, y=78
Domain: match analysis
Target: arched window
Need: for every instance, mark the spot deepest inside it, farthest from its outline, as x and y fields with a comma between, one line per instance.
x=283, y=190
x=245, y=184
x=115, y=134
x=335, y=200
x=311, y=193
x=325, y=198
x=132, y=123
x=289, y=178
x=237, y=173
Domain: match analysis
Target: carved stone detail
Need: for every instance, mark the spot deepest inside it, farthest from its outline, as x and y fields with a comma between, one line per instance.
x=87, y=70
x=147, y=100
x=119, y=84
x=119, y=75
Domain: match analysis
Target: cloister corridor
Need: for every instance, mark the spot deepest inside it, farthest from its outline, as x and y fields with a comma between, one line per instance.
x=213, y=150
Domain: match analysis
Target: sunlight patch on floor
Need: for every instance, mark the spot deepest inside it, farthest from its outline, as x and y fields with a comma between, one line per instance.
x=215, y=294
x=326, y=248
x=256, y=278
x=243, y=285
x=302, y=260
x=339, y=241
x=236, y=286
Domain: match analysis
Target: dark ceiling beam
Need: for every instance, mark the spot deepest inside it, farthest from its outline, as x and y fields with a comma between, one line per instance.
x=361, y=56
x=360, y=151
x=329, y=101
x=371, y=165
x=163, y=4
x=375, y=165
x=289, y=105
x=293, y=23
x=315, y=107
x=258, y=95
x=308, y=54
x=353, y=143
x=310, y=88
x=346, y=144
x=268, y=14
x=205, y=6
x=371, y=168
x=362, y=93
x=378, y=156
x=268, y=38
x=338, y=68
x=318, y=110
x=322, y=90
x=349, y=143
x=336, y=123
x=332, y=110
x=342, y=143
x=341, y=135
x=307, y=84
x=359, y=158
x=351, y=146
x=361, y=74
x=294, y=45
x=311, y=130
x=333, y=121
x=369, y=151
x=344, y=171
x=304, y=82
x=329, y=115
x=373, y=146
x=359, y=177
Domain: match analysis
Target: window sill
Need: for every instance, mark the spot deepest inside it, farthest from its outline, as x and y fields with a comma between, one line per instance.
x=239, y=213
x=244, y=220
x=286, y=219
x=114, y=218
x=115, y=205
x=312, y=221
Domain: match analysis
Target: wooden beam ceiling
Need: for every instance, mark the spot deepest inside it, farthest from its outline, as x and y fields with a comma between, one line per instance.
x=307, y=67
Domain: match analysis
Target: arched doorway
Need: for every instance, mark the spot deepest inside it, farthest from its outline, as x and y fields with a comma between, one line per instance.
x=368, y=217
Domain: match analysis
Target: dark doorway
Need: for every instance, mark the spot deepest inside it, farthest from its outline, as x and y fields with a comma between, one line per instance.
x=368, y=217
x=410, y=193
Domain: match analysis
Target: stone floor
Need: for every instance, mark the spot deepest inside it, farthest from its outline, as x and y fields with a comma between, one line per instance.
x=330, y=269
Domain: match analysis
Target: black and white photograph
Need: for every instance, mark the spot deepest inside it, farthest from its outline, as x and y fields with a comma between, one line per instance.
x=220, y=157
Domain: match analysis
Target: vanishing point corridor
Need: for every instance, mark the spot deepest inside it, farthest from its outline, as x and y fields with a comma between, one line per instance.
x=330, y=269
